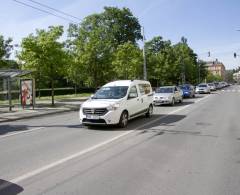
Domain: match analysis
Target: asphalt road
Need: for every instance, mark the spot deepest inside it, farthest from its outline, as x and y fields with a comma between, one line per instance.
x=190, y=148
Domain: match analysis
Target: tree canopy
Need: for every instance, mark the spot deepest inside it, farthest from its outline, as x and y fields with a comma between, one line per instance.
x=45, y=55
x=103, y=47
x=6, y=48
x=94, y=42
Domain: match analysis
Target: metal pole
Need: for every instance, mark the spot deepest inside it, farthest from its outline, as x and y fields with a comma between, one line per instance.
x=9, y=93
x=144, y=57
x=183, y=72
x=198, y=71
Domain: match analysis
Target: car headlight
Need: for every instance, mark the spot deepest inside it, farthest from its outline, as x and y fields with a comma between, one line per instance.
x=113, y=107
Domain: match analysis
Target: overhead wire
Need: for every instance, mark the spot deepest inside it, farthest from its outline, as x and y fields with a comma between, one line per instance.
x=54, y=9
x=48, y=12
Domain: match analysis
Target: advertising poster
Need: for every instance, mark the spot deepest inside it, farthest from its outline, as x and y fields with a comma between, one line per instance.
x=27, y=92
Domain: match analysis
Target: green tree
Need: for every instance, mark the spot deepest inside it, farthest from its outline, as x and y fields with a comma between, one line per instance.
x=211, y=77
x=161, y=61
x=44, y=54
x=186, y=62
x=128, y=61
x=94, y=42
x=171, y=64
x=5, y=52
x=202, y=71
x=229, y=76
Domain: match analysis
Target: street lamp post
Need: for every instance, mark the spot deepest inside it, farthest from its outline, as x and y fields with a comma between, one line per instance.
x=144, y=57
x=9, y=93
x=199, y=65
x=198, y=61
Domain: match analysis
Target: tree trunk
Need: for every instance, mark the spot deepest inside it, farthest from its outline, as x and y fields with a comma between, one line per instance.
x=52, y=85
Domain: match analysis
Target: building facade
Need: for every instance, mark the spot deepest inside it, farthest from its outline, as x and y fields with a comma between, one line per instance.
x=216, y=68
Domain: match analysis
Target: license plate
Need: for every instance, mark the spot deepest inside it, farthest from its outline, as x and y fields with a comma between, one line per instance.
x=92, y=117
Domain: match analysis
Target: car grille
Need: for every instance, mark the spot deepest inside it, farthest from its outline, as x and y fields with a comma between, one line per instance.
x=95, y=111
x=94, y=121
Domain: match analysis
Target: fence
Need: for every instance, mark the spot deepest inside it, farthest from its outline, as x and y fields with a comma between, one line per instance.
x=15, y=92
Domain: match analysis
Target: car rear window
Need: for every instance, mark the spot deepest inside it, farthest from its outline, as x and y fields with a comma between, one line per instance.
x=202, y=85
x=165, y=90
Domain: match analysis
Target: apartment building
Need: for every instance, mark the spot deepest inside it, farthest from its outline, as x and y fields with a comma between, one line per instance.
x=216, y=68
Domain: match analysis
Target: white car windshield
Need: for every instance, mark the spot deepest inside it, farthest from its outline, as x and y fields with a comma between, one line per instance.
x=164, y=90
x=115, y=92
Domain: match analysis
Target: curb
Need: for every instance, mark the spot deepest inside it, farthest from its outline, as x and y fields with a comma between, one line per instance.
x=39, y=115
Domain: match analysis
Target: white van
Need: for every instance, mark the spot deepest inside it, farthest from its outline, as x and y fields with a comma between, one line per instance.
x=117, y=102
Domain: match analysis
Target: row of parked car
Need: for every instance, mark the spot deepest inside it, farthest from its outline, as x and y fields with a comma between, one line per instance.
x=118, y=102
x=172, y=94
x=208, y=87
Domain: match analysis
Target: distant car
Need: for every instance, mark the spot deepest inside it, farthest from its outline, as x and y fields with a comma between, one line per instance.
x=217, y=85
x=188, y=90
x=212, y=86
x=203, y=88
x=224, y=84
x=167, y=95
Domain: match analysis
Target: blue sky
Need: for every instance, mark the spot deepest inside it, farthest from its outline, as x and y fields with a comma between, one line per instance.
x=209, y=25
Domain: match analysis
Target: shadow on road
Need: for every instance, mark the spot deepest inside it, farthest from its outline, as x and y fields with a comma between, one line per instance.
x=8, y=188
x=142, y=123
x=4, y=129
x=135, y=124
x=184, y=103
x=167, y=120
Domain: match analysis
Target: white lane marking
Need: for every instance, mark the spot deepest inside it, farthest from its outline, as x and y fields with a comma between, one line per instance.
x=63, y=160
x=85, y=151
x=22, y=131
x=203, y=98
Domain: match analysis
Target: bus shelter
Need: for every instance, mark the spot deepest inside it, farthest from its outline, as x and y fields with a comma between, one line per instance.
x=10, y=75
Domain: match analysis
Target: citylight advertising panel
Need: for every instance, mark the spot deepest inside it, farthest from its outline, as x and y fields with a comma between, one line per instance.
x=27, y=92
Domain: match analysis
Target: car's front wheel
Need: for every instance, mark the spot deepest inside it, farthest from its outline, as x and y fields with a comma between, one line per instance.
x=150, y=111
x=181, y=100
x=123, y=119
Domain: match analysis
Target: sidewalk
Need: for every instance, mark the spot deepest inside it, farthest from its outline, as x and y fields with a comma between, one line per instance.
x=42, y=108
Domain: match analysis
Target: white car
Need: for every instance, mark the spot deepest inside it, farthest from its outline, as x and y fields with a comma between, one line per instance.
x=117, y=102
x=203, y=88
x=212, y=86
x=167, y=95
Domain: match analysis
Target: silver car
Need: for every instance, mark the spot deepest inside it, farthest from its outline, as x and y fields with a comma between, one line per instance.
x=212, y=86
x=203, y=88
x=167, y=95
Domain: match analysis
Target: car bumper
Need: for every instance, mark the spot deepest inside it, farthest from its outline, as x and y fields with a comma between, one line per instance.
x=202, y=91
x=160, y=102
x=186, y=94
x=110, y=118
